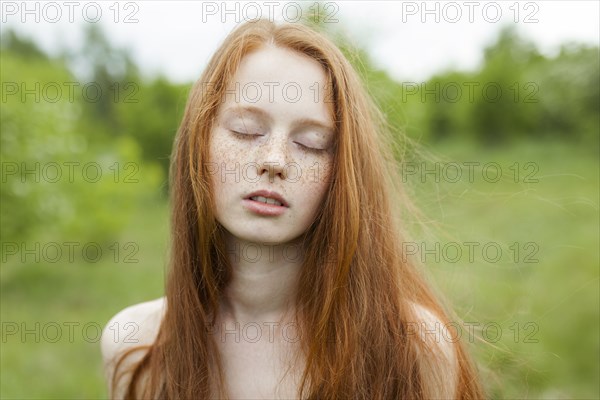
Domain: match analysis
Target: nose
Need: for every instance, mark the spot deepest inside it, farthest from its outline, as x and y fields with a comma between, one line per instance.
x=273, y=157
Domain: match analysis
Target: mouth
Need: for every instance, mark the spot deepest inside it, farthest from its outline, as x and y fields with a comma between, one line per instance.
x=266, y=200
x=268, y=197
x=266, y=203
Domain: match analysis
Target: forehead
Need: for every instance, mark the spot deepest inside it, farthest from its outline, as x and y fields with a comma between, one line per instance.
x=283, y=82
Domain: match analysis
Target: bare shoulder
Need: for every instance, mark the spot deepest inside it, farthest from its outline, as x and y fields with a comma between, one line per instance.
x=136, y=325
x=433, y=331
x=440, y=362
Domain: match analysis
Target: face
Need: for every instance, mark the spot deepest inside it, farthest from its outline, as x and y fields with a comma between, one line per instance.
x=272, y=141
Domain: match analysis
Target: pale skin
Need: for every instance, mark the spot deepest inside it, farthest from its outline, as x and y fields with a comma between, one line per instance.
x=287, y=148
x=285, y=134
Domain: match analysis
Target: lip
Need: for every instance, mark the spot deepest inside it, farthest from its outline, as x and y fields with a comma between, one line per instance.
x=264, y=208
x=268, y=194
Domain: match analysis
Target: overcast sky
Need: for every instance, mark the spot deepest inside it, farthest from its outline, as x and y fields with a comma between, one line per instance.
x=411, y=40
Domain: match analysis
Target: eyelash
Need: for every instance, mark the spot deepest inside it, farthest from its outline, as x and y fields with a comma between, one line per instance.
x=243, y=135
x=248, y=136
x=309, y=149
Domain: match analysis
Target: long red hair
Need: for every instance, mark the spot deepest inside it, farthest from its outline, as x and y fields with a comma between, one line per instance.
x=357, y=291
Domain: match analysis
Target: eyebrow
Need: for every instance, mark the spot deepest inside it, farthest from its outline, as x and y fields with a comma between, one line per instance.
x=265, y=115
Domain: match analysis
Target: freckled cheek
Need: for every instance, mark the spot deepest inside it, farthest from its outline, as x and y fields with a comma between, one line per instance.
x=223, y=156
x=314, y=180
x=229, y=160
x=226, y=151
x=310, y=190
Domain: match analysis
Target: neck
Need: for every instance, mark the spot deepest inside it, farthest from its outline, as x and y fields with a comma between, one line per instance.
x=264, y=281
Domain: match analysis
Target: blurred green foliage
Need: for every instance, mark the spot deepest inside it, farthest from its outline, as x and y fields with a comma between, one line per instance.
x=517, y=93
x=547, y=114
x=75, y=160
x=56, y=181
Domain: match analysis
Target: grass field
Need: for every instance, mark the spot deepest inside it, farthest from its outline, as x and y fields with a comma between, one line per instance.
x=541, y=292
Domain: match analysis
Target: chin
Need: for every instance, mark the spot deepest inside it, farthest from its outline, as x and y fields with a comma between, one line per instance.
x=259, y=236
x=271, y=240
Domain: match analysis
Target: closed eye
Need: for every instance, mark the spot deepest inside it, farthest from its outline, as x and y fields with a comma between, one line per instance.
x=243, y=135
x=311, y=149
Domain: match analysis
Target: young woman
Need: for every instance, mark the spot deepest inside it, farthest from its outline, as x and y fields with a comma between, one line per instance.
x=287, y=277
